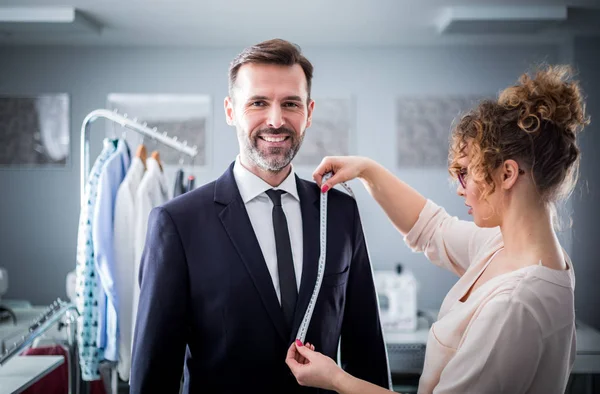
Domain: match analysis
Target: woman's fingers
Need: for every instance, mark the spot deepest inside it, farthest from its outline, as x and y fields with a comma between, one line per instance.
x=309, y=346
x=293, y=365
x=291, y=357
x=336, y=178
x=344, y=168
x=305, y=351
x=301, y=359
x=295, y=354
x=291, y=351
x=297, y=368
x=327, y=165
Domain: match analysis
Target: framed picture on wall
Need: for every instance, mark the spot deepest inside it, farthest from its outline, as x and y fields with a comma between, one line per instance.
x=330, y=133
x=184, y=116
x=34, y=130
x=424, y=125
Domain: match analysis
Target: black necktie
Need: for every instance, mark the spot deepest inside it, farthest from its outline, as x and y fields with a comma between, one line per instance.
x=285, y=261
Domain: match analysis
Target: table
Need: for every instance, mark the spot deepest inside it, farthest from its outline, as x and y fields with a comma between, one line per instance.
x=587, y=360
x=21, y=372
x=406, y=352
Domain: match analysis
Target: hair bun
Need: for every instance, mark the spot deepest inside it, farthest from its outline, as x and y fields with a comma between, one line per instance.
x=550, y=96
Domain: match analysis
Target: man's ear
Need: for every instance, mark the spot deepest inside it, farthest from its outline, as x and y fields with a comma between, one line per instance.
x=229, y=112
x=509, y=172
x=311, y=107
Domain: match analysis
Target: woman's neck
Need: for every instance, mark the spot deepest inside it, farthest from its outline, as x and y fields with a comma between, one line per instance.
x=529, y=236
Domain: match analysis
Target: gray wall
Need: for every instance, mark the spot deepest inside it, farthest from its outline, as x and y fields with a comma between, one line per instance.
x=586, y=215
x=39, y=208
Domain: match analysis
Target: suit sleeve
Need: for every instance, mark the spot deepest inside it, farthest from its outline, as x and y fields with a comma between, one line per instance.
x=161, y=327
x=363, y=353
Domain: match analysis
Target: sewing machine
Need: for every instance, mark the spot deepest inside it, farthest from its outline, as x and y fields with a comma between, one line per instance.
x=397, y=294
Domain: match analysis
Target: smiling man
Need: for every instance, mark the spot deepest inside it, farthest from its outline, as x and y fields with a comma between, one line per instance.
x=228, y=269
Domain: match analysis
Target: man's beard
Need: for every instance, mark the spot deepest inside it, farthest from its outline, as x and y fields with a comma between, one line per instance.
x=273, y=159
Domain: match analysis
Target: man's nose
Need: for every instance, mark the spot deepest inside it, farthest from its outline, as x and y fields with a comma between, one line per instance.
x=275, y=117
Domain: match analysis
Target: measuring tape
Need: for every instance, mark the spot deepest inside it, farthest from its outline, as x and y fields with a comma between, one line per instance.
x=321, y=270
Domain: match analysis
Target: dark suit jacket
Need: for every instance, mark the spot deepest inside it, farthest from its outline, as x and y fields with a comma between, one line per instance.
x=207, y=297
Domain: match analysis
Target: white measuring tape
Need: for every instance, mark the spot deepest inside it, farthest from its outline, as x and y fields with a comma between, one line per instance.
x=321, y=270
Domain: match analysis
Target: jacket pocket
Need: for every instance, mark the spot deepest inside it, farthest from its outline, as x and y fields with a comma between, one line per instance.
x=336, y=279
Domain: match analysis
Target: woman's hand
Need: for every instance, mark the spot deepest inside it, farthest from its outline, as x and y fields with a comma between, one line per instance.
x=312, y=368
x=344, y=168
x=401, y=203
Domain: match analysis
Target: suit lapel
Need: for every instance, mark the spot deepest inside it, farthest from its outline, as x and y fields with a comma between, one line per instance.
x=239, y=228
x=309, y=205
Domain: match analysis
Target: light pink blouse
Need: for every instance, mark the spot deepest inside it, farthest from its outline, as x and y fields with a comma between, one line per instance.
x=514, y=334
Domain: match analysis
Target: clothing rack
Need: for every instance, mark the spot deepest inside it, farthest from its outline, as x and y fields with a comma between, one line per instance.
x=131, y=124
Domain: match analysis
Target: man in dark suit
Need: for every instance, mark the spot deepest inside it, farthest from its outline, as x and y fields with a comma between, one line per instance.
x=229, y=268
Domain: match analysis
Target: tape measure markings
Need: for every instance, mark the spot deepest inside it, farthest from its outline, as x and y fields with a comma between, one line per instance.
x=321, y=267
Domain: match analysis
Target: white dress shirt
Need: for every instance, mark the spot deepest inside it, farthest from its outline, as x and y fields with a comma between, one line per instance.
x=152, y=192
x=260, y=210
x=124, y=244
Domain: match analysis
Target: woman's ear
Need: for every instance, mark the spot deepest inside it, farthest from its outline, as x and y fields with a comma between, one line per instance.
x=509, y=172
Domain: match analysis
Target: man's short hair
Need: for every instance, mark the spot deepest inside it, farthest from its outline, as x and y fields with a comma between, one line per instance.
x=276, y=51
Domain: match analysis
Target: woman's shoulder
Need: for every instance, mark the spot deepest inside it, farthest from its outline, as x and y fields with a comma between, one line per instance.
x=543, y=294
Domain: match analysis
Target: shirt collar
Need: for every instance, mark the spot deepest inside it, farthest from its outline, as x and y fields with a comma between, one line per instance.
x=152, y=165
x=251, y=186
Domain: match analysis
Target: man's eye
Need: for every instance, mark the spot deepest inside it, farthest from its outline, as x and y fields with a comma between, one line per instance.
x=291, y=105
x=258, y=104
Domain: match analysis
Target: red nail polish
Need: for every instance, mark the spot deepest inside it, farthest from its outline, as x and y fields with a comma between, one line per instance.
x=298, y=342
x=325, y=188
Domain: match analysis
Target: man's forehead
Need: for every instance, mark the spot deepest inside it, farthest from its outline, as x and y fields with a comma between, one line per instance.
x=270, y=79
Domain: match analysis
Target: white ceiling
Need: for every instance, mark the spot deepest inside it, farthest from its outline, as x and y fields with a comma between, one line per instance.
x=224, y=23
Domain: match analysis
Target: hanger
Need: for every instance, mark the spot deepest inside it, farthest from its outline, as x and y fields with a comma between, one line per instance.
x=142, y=153
x=156, y=156
x=191, y=178
x=191, y=183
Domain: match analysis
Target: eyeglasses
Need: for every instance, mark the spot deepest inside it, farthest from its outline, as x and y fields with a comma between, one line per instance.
x=462, y=174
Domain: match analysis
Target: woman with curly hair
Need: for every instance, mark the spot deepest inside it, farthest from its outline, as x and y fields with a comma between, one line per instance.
x=508, y=324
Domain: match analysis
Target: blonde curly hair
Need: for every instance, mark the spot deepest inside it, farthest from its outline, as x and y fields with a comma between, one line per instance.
x=535, y=123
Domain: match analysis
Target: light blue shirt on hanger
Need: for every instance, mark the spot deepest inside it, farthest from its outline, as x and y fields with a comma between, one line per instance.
x=113, y=173
x=87, y=284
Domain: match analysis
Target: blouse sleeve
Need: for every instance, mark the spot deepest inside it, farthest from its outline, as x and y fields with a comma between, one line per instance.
x=447, y=241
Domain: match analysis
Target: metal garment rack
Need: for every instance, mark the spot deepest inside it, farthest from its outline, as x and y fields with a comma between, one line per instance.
x=130, y=124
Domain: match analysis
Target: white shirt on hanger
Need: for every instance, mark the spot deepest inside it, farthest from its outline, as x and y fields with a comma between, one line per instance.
x=260, y=207
x=124, y=244
x=152, y=192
